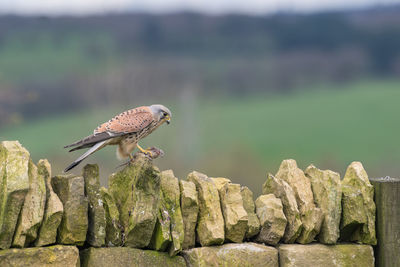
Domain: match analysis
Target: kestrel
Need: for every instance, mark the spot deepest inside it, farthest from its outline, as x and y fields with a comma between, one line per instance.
x=124, y=130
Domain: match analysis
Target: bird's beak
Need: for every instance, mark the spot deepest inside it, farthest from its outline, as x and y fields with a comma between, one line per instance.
x=168, y=119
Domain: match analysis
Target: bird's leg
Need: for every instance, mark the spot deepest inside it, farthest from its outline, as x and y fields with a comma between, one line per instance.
x=148, y=152
x=131, y=159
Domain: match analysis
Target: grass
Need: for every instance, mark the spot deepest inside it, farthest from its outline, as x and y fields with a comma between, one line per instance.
x=43, y=58
x=244, y=138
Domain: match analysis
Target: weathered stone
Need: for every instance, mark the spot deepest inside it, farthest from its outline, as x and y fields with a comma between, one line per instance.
x=253, y=223
x=220, y=182
x=161, y=238
x=190, y=211
x=358, y=217
x=282, y=190
x=14, y=185
x=53, y=209
x=245, y=254
x=113, y=225
x=235, y=216
x=32, y=210
x=210, y=225
x=129, y=257
x=169, y=215
x=311, y=216
x=272, y=219
x=327, y=192
x=345, y=255
x=136, y=191
x=54, y=256
x=96, y=233
x=71, y=191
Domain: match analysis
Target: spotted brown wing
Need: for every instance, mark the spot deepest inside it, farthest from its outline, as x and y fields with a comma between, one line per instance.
x=129, y=121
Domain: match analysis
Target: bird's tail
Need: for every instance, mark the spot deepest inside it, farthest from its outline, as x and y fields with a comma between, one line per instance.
x=85, y=155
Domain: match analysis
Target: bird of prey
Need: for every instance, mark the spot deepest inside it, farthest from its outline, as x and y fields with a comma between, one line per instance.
x=124, y=130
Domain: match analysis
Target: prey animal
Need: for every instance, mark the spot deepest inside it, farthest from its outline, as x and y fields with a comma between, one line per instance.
x=124, y=130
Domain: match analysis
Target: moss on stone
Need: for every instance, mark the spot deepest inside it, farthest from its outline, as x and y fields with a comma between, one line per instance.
x=190, y=211
x=311, y=216
x=272, y=219
x=326, y=255
x=122, y=256
x=57, y=256
x=136, y=191
x=327, y=192
x=32, y=211
x=71, y=191
x=285, y=193
x=253, y=224
x=97, y=220
x=245, y=254
x=210, y=224
x=53, y=209
x=113, y=225
x=14, y=185
x=235, y=216
x=359, y=210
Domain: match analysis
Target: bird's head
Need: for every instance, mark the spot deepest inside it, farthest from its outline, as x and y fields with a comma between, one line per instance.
x=161, y=113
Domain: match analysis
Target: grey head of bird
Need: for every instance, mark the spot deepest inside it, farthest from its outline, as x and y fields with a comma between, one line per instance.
x=161, y=113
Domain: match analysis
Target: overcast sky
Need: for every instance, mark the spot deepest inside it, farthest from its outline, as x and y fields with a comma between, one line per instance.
x=82, y=7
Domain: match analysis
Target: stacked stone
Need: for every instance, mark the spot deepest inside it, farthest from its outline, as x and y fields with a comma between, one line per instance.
x=30, y=211
x=169, y=232
x=146, y=208
x=358, y=217
x=136, y=191
x=96, y=233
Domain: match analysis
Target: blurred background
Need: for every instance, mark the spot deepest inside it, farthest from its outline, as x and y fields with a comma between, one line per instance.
x=249, y=83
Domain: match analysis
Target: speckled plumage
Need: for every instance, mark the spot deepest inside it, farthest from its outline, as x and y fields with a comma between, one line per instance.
x=129, y=121
x=124, y=130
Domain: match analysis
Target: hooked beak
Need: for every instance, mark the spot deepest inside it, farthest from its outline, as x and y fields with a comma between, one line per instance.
x=168, y=119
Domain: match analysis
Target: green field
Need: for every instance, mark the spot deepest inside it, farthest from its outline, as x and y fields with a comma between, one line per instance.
x=244, y=138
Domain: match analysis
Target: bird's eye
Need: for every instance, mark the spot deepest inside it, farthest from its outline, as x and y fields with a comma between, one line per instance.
x=165, y=114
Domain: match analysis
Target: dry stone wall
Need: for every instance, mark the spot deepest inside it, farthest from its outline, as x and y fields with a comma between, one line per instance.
x=151, y=218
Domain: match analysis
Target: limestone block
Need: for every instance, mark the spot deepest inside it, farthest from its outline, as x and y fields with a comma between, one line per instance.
x=327, y=192
x=190, y=212
x=32, y=211
x=210, y=225
x=74, y=224
x=53, y=212
x=113, y=225
x=169, y=231
x=326, y=255
x=253, y=224
x=272, y=219
x=311, y=216
x=136, y=191
x=358, y=217
x=129, y=257
x=53, y=256
x=96, y=233
x=244, y=254
x=14, y=185
x=285, y=193
x=235, y=216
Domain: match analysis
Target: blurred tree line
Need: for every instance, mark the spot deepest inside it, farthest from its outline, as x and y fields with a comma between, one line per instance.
x=54, y=65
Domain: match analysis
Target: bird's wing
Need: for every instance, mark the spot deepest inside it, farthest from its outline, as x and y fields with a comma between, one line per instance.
x=130, y=121
x=91, y=140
